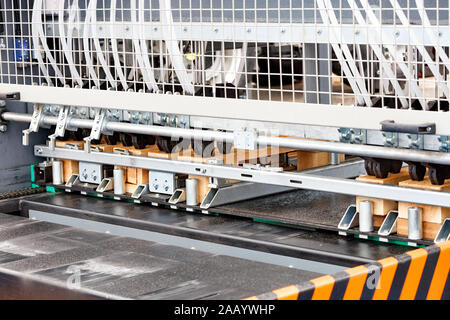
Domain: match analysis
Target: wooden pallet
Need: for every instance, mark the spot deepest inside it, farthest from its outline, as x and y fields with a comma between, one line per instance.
x=432, y=216
x=381, y=207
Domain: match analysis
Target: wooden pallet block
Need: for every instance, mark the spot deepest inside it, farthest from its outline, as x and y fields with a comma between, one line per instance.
x=106, y=147
x=70, y=167
x=381, y=207
x=312, y=159
x=136, y=176
x=429, y=229
x=431, y=214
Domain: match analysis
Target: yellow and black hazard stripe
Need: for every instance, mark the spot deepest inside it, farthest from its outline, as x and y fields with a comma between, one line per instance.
x=419, y=274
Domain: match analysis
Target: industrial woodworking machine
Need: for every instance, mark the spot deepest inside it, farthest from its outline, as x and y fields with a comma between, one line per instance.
x=188, y=122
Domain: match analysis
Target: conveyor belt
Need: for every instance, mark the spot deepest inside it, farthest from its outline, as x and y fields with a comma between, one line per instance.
x=134, y=268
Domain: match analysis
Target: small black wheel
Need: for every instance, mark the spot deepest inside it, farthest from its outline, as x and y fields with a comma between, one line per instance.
x=166, y=144
x=396, y=166
x=417, y=171
x=76, y=135
x=381, y=169
x=139, y=141
x=437, y=175
x=125, y=139
x=113, y=139
x=203, y=148
x=368, y=165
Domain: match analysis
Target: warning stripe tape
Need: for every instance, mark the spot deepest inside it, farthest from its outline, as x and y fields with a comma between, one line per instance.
x=419, y=274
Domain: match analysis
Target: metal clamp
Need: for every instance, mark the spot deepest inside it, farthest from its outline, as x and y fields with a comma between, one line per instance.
x=13, y=96
x=245, y=139
x=445, y=143
x=391, y=139
x=354, y=136
x=425, y=128
x=34, y=124
x=416, y=141
x=97, y=128
x=61, y=125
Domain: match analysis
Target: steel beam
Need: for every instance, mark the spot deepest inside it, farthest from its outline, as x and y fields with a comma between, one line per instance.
x=287, y=179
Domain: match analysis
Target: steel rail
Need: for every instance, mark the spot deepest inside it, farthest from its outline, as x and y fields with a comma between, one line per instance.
x=301, y=144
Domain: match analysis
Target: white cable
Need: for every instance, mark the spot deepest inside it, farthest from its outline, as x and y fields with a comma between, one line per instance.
x=426, y=21
x=115, y=49
x=413, y=85
x=37, y=11
x=377, y=50
x=62, y=37
x=420, y=47
x=348, y=74
x=143, y=42
x=149, y=77
x=348, y=55
x=87, y=53
x=176, y=57
x=43, y=40
x=100, y=56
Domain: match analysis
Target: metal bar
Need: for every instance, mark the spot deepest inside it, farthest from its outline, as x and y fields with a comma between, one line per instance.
x=301, y=144
x=299, y=113
x=295, y=180
x=266, y=32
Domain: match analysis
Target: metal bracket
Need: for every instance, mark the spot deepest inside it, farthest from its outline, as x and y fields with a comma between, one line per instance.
x=444, y=233
x=107, y=184
x=61, y=125
x=349, y=219
x=97, y=128
x=140, y=191
x=359, y=136
x=355, y=136
x=3, y=124
x=34, y=124
x=416, y=141
x=245, y=139
x=73, y=180
x=389, y=225
x=425, y=128
x=13, y=96
x=391, y=139
x=178, y=196
x=445, y=143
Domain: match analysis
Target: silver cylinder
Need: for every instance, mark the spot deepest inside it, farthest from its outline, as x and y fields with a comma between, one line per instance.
x=366, y=216
x=191, y=192
x=119, y=182
x=415, y=223
x=335, y=158
x=57, y=172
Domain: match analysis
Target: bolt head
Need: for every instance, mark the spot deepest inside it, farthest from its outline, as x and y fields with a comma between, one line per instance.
x=3, y=128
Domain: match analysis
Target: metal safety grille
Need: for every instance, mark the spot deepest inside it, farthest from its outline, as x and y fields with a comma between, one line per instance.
x=371, y=53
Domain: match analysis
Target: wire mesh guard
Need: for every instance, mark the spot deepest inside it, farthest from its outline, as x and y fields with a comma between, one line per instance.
x=373, y=53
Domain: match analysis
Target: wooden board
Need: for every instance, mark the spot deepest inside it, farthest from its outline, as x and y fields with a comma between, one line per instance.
x=429, y=229
x=392, y=179
x=425, y=184
x=62, y=144
x=312, y=159
x=106, y=147
x=378, y=221
x=380, y=207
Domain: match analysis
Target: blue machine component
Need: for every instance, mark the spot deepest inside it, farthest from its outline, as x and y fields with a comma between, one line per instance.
x=22, y=50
